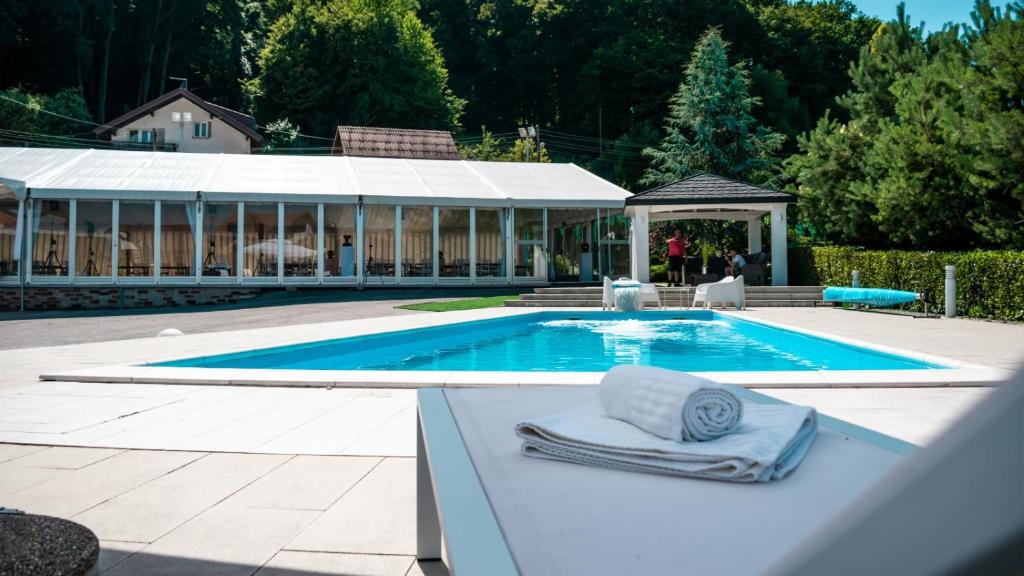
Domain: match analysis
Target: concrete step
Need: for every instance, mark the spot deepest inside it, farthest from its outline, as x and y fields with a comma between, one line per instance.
x=552, y=297
x=598, y=289
x=590, y=296
x=580, y=290
x=676, y=294
x=667, y=304
x=553, y=303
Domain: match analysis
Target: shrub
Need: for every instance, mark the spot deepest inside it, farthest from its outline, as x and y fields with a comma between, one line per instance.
x=990, y=283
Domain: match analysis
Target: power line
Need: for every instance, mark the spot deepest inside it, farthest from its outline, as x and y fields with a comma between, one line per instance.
x=45, y=111
x=605, y=141
x=298, y=135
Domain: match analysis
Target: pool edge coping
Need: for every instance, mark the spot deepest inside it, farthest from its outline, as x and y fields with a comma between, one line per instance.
x=956, y=374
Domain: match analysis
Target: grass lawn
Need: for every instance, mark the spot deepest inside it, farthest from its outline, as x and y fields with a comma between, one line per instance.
x=468, y=304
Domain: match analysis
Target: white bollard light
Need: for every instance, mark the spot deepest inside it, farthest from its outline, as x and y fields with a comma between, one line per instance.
x=950, y=291
x=856, y=278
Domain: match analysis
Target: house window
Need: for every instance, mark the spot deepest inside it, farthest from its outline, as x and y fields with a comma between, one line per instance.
x=144, y=136
x=201, y=130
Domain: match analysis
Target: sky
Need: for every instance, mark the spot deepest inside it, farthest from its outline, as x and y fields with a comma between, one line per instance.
x=934, y=13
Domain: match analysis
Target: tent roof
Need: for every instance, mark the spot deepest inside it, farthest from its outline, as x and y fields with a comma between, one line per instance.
x=702, y=188
x=167, y=175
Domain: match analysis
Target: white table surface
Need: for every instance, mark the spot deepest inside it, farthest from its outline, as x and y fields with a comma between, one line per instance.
x=561, y=518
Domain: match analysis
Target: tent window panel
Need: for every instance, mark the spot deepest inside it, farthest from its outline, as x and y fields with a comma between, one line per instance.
x=490, y=242
x=379, y=241
x=530, y=255
x=136, y=231
x=417, y=241
x=300, y=240
x=8, y=228
x=259, y=246
x=453, y=235
x=94, y=238
x=220, y=237
x=177, y=238
x=339, y=240
x=50, y=229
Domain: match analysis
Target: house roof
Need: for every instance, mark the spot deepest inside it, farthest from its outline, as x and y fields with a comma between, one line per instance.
x=242, y=122
x=76, y=173
x=702, y=188
x=395, y=143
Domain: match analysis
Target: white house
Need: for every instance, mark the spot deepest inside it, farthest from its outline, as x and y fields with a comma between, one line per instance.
x=180, y=121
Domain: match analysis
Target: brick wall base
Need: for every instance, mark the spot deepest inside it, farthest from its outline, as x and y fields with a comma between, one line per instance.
x=89, y=298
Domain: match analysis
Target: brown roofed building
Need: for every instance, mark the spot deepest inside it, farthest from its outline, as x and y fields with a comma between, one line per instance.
x=395, y=143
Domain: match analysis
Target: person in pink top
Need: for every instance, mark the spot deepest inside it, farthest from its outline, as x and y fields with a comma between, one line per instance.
x=677, y=245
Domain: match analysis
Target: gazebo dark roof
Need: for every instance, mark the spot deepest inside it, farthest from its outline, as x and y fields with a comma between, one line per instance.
x=708, y=189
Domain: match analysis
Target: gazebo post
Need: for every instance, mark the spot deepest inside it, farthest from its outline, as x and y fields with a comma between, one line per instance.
x=639, y=240
x=780, y=263
x=754, y=235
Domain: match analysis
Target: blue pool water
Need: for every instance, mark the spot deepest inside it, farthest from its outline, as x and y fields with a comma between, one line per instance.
x=578, y=341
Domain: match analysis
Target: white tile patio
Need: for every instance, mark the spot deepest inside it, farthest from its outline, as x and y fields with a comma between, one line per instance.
x=226, y=494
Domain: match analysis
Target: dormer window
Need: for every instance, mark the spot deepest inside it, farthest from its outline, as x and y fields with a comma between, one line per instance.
x=201, y=130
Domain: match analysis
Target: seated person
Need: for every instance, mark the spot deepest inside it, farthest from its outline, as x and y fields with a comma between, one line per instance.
x=736, y=264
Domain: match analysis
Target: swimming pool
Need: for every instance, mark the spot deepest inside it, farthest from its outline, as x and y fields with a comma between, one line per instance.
x=694, y=341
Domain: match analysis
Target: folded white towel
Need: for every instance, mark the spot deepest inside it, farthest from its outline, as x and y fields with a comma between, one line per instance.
x=673, y=405
x=770, y=442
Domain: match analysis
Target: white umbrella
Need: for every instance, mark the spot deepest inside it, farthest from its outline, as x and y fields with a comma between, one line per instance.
x=291, y=251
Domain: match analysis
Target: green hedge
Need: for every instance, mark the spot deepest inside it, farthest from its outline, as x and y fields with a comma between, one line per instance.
x=990, y=283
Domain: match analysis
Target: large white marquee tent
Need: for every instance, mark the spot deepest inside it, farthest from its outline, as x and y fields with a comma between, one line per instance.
x=104, y=217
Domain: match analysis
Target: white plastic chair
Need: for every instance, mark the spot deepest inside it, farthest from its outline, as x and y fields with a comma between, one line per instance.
x=608, y=295
x=649, y=293
x=726, y=290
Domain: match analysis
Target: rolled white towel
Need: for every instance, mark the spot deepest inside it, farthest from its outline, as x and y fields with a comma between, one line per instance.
x=672, y=405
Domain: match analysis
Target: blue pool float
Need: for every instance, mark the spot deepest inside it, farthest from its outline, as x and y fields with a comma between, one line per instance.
x=871, y=296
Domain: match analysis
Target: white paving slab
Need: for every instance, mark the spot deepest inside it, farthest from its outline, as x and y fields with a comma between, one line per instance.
x=146, y=513
x=290, y=563
x=113, y=553
x=12, y=451
x=14, y=478
x=378, y=516
x=305, y=483
x=224, y=540
x=66, y=458
x=73, y=493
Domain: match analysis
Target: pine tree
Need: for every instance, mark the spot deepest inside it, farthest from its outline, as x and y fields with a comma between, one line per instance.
x=710, y=127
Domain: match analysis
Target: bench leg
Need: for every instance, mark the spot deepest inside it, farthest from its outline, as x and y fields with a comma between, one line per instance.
x=428, y=526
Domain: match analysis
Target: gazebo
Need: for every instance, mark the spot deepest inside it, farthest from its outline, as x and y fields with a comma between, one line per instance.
x=708, y=197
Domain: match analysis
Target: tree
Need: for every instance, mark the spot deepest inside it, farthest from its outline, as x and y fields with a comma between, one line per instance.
x=282, y=134
x=69, y=114
x=493, y=149
x=930, y=157
x=39, y=117
x=710, y=127
x=360, y=62
x=995, y=92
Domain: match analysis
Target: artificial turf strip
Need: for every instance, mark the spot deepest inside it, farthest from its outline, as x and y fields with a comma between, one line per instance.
x=468, y=304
